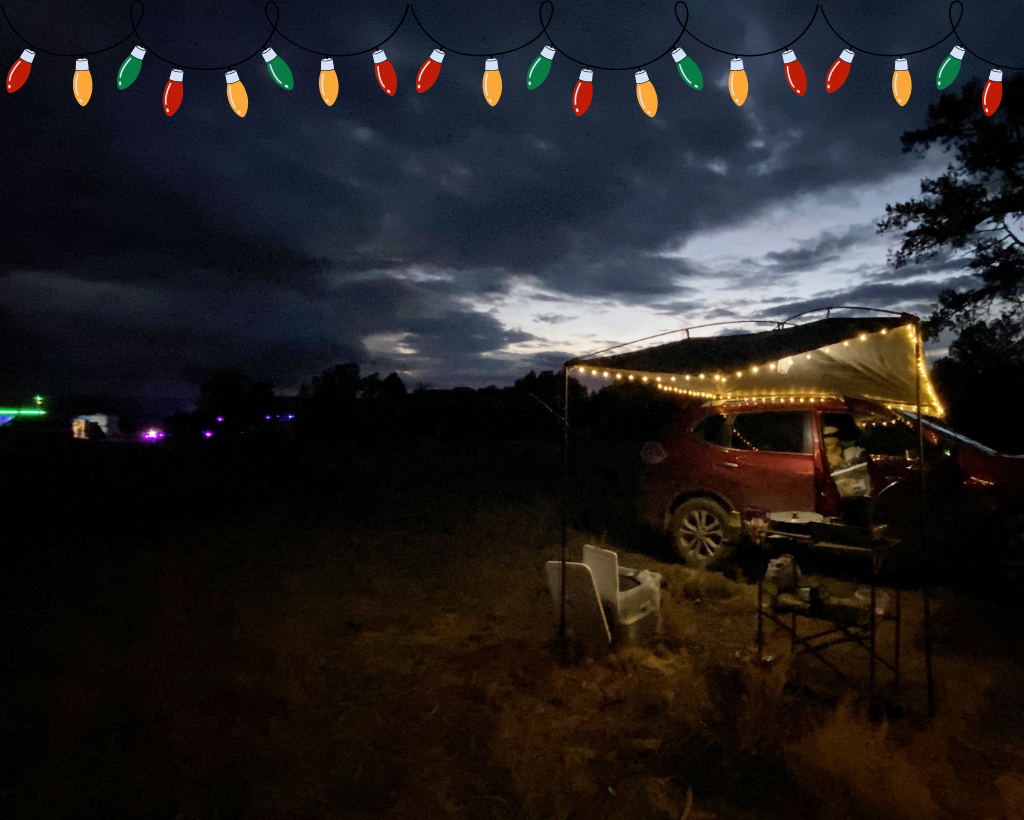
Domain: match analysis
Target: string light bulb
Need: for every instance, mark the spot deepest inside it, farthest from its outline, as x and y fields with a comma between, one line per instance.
x=173, y=92
x=993, y=93
x=839, y=71
x=238, y=99
x=645, y=94
x=688, y=69
x=385, y=73
x=901, y=85
x=278, y=68
x=81, y=83
x=328, y=81
x=795, y=74
x=492, y=81
x=540, y=68
x=949, y=68
x=20, y=70
x=737, y=81
x=583, y=93
x=130, y=68
x=429, y=71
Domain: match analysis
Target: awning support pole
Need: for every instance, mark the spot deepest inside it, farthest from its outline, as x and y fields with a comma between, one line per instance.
x=562, y=634
x=930, y=681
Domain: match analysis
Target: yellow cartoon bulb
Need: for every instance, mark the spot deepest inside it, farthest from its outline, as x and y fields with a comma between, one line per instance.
x=492, y=81
x=901, y=82
x=237, y=98
x=328, y=81
x=82, y=82
x=645, y=94
x=737, y=82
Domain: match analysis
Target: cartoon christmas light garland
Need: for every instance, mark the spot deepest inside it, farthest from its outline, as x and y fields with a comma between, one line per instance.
x=426, y=77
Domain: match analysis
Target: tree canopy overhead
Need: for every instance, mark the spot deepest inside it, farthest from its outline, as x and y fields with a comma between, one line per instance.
x=973, y=211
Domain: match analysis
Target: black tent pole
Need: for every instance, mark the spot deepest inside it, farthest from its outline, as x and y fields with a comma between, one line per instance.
x=565, y=505
x=921, y=533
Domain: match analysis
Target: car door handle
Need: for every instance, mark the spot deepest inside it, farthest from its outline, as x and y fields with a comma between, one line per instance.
x=731, y=464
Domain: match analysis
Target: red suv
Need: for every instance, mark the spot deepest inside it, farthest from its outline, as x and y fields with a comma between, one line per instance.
x=723, y=456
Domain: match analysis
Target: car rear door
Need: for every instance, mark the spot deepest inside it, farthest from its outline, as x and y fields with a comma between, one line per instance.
x=770, y=460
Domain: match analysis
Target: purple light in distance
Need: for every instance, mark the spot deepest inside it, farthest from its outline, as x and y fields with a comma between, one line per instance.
x=220, y=419
x=207, y=433
x=267, y=418
x=152, y=434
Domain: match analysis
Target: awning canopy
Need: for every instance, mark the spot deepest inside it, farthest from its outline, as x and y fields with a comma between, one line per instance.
x=874, y=358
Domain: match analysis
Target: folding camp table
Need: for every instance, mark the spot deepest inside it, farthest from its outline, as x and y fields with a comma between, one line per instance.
x=875, y=550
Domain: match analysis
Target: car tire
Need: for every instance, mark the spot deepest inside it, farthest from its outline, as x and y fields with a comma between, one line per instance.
x=700, y=533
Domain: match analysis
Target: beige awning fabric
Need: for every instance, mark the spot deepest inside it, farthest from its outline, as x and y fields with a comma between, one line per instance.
x=873, y=358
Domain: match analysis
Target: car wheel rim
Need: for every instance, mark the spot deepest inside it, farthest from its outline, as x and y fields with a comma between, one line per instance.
x=700, y=534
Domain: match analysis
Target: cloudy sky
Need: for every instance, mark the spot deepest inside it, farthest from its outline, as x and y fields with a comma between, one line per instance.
x=433, y=234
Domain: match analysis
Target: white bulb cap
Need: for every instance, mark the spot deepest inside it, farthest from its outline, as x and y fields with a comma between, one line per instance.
x=437, y=55
x=547, y=52
x=269, y=54
x=736, y=65
x=138, y=52
x=957, y=52
x=587, y=76
x=901, y=65
x=379, y=56
x=327, y=64
x=81, y=64
x=995, y=76
x=491, y=64
x=28, y=55
x=176, y=75
x=846, y=56
x=231, y=76
x=789, y=56
x=678, y=54
x=641, y=77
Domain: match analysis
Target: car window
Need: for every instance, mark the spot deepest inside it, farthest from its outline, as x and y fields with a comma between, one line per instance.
x=771, y=431
x=713, y=430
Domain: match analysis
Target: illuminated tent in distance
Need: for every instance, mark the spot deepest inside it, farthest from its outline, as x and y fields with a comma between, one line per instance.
x=875, y=358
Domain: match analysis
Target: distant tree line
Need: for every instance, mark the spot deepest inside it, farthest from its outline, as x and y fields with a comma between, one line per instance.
x=342, y=404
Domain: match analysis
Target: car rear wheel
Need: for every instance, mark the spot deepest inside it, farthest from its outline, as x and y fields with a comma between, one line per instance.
x=699, y=529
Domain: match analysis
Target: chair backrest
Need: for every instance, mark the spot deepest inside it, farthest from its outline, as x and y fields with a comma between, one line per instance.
x=604, y=564
x=584, y=615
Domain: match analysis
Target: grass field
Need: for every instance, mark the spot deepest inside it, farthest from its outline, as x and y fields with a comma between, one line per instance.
x=363, y=631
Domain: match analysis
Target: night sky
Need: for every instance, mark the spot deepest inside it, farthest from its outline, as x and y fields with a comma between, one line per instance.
x=432, y=234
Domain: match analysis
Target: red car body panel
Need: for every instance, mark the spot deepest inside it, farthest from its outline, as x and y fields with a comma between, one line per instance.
x=782, y=481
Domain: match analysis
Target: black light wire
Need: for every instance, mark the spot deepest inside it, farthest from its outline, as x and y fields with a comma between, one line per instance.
x=543, y=32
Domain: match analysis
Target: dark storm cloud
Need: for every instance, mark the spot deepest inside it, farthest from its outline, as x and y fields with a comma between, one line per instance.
x=280, y=243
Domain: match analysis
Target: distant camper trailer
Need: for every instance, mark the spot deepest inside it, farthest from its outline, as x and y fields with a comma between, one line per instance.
x=96, y=426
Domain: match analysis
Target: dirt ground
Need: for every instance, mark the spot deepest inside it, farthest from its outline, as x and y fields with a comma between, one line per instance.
x=385, y=647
